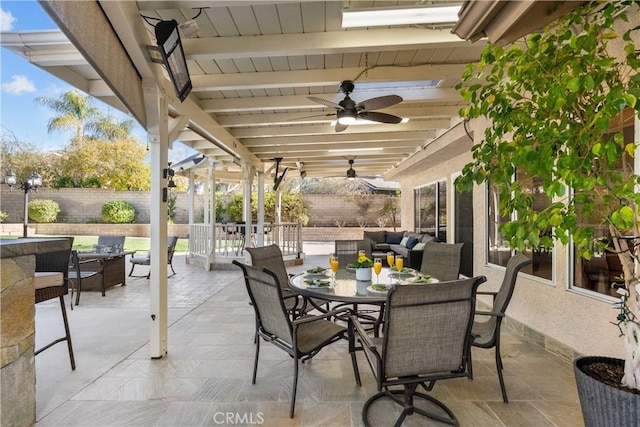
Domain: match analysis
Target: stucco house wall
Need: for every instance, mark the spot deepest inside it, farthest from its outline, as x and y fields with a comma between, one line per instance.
x=559, y=319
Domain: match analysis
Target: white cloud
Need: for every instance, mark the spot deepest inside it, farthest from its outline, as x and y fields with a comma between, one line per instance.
x=6, y=20
x=18, y=85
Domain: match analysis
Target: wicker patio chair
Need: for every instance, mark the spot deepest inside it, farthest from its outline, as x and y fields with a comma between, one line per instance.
x=486, y=327
x=78, y=274
x=146, y=259
x=50, y=281
x=442, y=260
x=301, y=338
x=427, y=336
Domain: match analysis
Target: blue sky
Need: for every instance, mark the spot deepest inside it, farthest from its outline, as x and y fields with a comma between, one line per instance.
x=22, y=82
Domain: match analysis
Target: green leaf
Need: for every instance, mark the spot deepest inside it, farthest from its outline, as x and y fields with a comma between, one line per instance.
x=574, y=84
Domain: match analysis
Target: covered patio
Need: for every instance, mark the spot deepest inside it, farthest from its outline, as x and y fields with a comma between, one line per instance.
x=205, y=378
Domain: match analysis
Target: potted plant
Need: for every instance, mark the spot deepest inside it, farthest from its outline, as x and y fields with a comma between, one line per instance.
x=555, y=110
x=362, y=266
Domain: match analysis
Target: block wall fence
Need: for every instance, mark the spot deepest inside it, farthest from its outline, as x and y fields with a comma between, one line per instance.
x=84, y=205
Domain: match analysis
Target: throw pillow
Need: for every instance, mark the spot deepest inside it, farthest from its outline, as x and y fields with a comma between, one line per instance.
x=412, y=242
x=394, y=237
x=419, y=247
x=404, y=241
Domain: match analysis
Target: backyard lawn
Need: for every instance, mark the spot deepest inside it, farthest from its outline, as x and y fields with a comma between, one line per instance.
x=141, y=244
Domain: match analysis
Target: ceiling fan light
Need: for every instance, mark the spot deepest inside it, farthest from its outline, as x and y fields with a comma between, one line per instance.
x=347, y=117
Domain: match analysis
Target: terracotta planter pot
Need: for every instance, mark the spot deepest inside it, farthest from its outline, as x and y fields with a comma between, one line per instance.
x=604, y=405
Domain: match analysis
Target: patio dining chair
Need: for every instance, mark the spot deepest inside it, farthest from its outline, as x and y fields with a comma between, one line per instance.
x=486, y=327
x=270, y=257
x=426, y=338
x=51, y=282
x=442, y=260
x=301, y=338
x=146, y=259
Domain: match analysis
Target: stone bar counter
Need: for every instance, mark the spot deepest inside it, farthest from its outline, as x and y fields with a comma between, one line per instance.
x=17, y=326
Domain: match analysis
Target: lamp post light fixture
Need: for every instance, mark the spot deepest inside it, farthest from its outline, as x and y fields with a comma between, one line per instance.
x=10, y=179
x=33, y=181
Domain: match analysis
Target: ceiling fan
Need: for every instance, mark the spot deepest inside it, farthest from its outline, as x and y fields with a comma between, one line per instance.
x=348, y=111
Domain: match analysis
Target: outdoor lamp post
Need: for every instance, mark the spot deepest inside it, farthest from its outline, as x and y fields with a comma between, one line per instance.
x=10, y=179
x=33, y=181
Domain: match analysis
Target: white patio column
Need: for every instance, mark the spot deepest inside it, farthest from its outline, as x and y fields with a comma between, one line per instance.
x=260, y=219
x=157, y=120
x=211, y=220
x=247, y=175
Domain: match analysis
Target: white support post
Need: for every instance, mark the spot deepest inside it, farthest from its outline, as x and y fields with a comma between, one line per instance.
x=260, y=231
x=211, y=184
x=157, y=119
x=247, y=172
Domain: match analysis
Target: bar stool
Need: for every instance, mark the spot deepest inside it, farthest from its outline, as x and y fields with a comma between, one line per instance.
x=51, y=281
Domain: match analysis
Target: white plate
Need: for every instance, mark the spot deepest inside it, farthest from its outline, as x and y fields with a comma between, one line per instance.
x=376, y=292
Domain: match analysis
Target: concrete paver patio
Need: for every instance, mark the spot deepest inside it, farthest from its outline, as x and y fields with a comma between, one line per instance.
x=205, y=379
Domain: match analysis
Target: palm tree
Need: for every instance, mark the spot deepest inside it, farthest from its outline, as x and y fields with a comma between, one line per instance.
x=109, y=128
x=74, y=109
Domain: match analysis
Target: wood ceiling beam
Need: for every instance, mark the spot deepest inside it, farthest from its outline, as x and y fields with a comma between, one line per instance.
x=333, y=42
x=327, y=77
x=275, y=103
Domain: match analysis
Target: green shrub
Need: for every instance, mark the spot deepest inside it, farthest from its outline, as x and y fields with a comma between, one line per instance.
x=43, y=211
x=3, y=216
x=118, y=212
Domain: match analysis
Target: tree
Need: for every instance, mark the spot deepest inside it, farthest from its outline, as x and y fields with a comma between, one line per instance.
x=118, y=164
x=293, y=208
x=21, y=158
x=74, y=109
x=556, y=112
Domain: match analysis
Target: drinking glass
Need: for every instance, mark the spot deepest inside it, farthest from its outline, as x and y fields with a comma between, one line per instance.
x=399, y=262
x=335, y=264
x=377, y=268
x=390, y=257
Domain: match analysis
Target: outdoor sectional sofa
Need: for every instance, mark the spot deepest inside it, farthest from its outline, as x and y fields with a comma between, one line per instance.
x=406, y=243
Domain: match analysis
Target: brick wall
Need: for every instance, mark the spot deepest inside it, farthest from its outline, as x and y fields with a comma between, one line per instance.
x=84, y=205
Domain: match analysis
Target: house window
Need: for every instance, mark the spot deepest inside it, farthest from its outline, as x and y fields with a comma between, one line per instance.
x=598, y=273
x=498, y=251
x=430, y=210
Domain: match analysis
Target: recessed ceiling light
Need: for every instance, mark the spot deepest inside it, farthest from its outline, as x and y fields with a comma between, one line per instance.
x=385, y=16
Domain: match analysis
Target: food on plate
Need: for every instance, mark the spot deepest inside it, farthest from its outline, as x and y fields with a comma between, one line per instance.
x=316, y=270
x=317, y=283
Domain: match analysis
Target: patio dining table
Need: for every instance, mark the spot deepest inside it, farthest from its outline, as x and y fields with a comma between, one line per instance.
x=345, y=289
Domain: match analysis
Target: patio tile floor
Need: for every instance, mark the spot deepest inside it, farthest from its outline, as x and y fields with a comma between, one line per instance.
x=205, y=379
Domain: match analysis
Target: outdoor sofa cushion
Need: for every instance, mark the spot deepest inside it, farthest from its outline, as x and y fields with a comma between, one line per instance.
x=394, y=237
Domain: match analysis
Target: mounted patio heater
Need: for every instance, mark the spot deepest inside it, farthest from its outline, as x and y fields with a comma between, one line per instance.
x=170, y=47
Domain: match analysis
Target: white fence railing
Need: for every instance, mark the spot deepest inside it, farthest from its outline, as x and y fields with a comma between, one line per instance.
x=229, y=238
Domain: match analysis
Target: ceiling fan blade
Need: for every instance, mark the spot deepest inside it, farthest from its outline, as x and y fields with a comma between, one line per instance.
x=340, y=127
x=379, y=102
x=325, y=102
x=375, y=116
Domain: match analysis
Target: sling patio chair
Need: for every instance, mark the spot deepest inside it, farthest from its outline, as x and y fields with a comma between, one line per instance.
x=426, y=338
x=146, y=260
x=442, y=260
x=270, y=257
x=301, y=338
x=486, y=327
